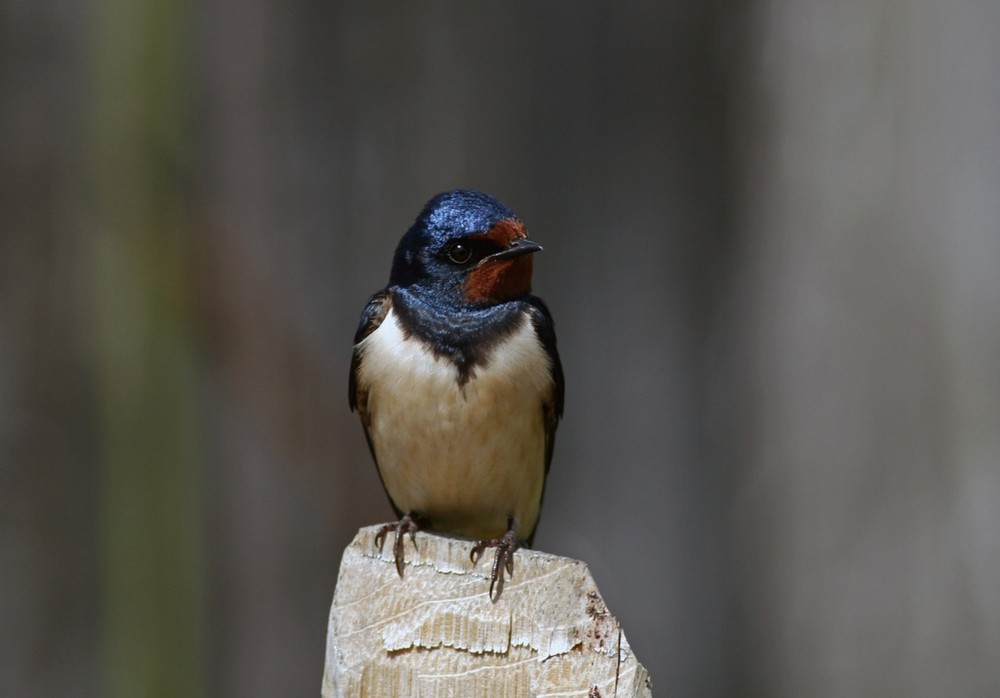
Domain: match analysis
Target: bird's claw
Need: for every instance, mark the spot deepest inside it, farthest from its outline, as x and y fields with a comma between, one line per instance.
x=407, y=524
x=502, y=560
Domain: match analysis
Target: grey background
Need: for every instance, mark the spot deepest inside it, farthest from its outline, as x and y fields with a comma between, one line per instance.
x=772, y=237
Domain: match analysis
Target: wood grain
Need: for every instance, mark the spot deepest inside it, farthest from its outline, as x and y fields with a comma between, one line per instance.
x=436, y=633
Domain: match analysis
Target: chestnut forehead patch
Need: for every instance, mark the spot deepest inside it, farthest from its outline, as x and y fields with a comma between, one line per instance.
x=506, y=231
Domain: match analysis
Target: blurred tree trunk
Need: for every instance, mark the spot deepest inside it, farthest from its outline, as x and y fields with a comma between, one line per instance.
x=48, y=573
x=870, y=315
x=147, y=374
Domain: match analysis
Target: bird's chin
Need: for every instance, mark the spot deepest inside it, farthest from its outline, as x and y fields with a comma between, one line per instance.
x=499, y=280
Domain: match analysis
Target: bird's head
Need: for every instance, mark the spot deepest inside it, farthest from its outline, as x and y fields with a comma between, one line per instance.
x=465, y=248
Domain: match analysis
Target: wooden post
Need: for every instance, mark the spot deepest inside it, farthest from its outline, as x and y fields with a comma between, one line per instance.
x=437, y=633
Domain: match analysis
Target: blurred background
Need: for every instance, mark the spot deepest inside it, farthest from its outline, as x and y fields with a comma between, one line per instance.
x=772, y=240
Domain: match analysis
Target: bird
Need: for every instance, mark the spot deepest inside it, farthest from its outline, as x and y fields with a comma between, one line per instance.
x=458, y=383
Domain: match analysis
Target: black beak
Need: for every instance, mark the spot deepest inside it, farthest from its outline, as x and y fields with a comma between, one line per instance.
x=517, y=248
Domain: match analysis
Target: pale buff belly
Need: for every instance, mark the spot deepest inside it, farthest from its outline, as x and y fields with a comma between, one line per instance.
x=465, y=457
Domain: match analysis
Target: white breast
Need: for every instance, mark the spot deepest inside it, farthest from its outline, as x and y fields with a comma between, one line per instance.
x=465, y=457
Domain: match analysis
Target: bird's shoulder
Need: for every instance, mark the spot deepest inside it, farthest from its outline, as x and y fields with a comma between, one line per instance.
x=373, y=314
x=544, y=326
x=372, y=317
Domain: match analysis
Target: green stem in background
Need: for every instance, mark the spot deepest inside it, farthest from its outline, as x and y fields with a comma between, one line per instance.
x=139, y=143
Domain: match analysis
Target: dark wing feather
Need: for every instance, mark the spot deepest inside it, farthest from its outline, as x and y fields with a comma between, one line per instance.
x=552, y=408
x=371, y=317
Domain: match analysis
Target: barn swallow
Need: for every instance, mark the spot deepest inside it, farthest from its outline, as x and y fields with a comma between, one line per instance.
x=457, y=380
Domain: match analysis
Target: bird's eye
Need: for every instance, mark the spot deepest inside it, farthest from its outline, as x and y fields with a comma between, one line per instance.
x=459, y=253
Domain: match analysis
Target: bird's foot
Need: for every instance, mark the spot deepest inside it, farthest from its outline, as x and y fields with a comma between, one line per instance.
x=408, y=524
x=503, y=560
